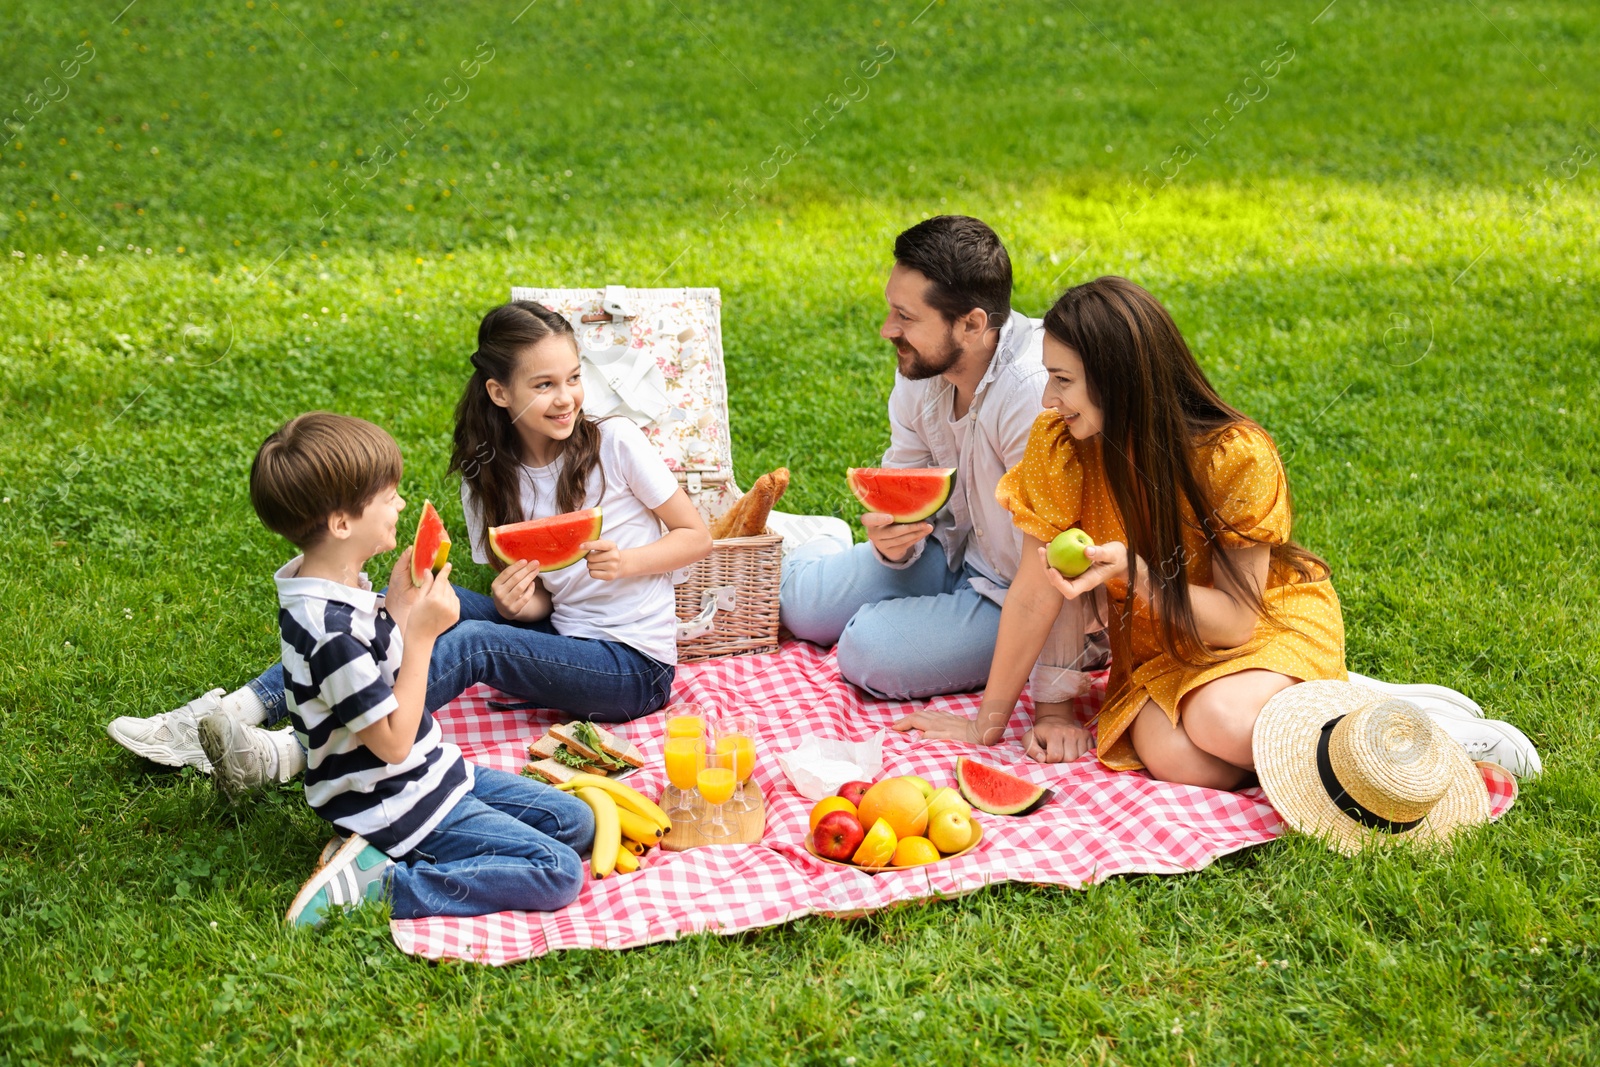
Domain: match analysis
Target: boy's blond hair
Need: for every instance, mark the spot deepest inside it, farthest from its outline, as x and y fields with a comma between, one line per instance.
x=316, y=465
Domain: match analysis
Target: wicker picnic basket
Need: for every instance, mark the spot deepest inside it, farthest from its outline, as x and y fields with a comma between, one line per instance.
x=655, y=356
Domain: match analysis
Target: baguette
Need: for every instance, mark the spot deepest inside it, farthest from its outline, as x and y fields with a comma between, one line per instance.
x=769, y=488
x=731, y=520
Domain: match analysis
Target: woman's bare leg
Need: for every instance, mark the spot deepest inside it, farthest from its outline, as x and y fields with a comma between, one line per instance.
x=1220, y=716
x=1169, y=754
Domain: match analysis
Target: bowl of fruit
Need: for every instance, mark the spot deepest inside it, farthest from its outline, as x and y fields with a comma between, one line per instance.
x=892, y=825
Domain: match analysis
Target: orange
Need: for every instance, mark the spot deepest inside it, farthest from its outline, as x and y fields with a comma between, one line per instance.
x=877, y=848
x=950, y=831
x=915, y=851
x=829, y=804
x=900, y=803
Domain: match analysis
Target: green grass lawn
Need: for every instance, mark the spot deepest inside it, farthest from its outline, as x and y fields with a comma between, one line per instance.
x=1385, y=252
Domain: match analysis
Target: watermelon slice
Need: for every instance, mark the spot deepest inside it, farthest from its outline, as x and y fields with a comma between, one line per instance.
x=908, y=494
x=997, y=792
x=552, y=543
x=431, y=549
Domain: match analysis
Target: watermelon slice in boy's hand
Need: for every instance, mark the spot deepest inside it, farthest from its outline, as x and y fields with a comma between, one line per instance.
x=431, y=549
x=551, y=542
x=905, y=494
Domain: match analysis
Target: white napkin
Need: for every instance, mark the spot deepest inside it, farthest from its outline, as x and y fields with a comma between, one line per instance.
x=818, y=766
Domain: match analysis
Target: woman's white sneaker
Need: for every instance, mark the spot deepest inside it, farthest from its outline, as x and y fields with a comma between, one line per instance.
x=172, y=738
x=1424, y=696
x=1493, y=740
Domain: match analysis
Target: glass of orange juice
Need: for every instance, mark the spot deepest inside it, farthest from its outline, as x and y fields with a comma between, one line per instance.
x=686, y=720
x=736, y=739
x=684, y=757
x=716, y=781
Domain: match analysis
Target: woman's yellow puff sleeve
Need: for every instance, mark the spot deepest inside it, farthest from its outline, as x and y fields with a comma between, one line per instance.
x=1044, y=492
x=1249, y=490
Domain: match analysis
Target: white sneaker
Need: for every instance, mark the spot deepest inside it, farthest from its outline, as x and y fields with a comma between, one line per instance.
x=171, y=738
x=1493, y=740
x=246, y=758
x=1427, y=697
x=797, y=530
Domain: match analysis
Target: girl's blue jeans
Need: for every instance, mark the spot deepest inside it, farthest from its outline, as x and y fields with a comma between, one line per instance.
x=605, y=681
x=512, y=844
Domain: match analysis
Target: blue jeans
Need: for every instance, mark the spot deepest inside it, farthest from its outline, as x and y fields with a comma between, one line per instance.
x=902, y=634
x=512, y=844
x=605, y=681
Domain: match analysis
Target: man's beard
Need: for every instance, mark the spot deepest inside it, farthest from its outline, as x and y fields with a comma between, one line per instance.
x=915, y=366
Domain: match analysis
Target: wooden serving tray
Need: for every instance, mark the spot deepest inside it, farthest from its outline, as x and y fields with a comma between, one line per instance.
x=811, y=847
x=748, y=826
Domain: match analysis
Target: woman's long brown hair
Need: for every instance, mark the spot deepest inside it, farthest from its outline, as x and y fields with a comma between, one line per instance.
x=1157, y=407
x=488, y=449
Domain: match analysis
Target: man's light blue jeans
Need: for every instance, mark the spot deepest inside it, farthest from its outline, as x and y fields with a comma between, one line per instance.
x=512, y=844
x=902, y=634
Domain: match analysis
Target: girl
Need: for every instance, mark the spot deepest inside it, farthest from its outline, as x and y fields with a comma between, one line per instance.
x=596, y=640
x=1213, y=609
x=526, y=450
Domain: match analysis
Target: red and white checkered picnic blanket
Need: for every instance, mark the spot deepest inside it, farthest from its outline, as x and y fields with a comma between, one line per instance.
x=1100, y=823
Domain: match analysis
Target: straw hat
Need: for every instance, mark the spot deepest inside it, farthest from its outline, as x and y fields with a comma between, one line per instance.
x=1358, y=768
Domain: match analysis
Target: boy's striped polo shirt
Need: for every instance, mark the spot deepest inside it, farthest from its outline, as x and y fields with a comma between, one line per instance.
x=341, y=651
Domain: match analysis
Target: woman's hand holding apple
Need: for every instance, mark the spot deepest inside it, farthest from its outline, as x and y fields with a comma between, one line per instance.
x=1106, y=562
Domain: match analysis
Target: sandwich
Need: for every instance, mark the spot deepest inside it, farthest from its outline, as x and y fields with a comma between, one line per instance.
x=551, y=771
x=581, y=748
x=550, y=747
x=599, y=746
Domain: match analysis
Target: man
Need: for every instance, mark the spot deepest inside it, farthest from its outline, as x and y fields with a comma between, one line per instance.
x=916, y=609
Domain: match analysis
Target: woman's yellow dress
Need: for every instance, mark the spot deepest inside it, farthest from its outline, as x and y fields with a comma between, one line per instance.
x=1061, y=483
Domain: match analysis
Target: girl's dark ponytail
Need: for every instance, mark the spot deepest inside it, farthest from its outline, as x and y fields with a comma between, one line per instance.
x=488, y=449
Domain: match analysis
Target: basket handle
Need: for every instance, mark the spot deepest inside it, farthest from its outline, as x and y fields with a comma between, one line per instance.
x=723, y=598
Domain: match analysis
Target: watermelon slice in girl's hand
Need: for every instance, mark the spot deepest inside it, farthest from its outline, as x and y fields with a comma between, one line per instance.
x=431, y=549
x=552, y=543
x=906, y=494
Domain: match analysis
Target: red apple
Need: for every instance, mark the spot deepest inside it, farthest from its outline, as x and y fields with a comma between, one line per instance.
x=854, y=791
x=838, y=836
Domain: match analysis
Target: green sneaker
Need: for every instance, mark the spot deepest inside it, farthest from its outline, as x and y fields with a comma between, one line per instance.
x=330, y=849
x=352, y=877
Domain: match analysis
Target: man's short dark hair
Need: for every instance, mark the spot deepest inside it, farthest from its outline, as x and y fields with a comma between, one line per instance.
x=965, y=263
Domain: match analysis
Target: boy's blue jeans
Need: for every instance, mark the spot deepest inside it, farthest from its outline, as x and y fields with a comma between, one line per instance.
x=512, y=844
x=902, y=634
x=605, y=681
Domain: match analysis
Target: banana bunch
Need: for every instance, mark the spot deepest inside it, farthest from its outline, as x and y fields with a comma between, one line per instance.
x=626, y=822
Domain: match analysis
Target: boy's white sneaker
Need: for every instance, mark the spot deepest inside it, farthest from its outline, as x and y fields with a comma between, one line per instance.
x=1493, y=740
x=354, y=875
x=1427, y=697
x=171, y=738
x=246, y=758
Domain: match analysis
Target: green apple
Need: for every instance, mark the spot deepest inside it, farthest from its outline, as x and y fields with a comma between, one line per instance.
x=1066, y=552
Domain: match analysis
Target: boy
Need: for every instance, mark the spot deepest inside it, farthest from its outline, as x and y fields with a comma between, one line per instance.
x=427, y=830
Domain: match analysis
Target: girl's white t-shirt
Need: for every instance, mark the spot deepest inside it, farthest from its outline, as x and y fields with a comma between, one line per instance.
x=639, y=612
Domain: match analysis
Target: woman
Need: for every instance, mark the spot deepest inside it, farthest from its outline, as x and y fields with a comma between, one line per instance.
x=1188, y=505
